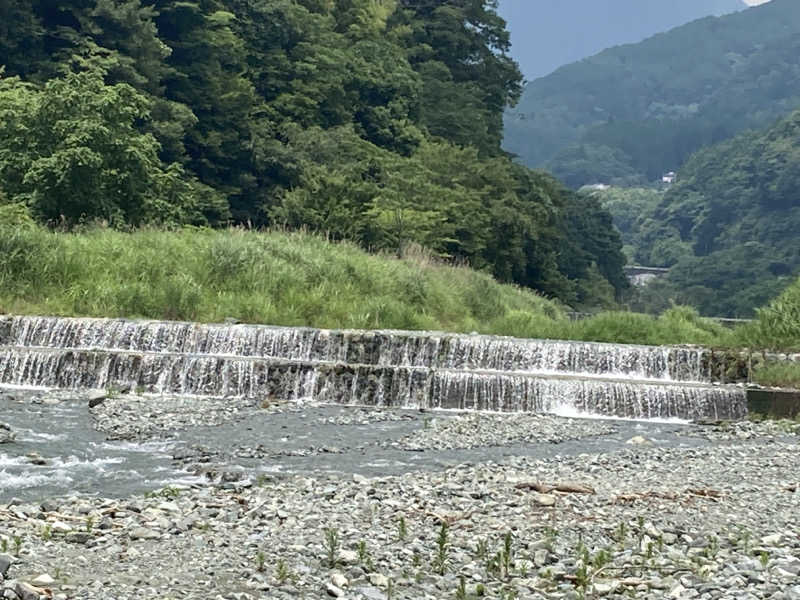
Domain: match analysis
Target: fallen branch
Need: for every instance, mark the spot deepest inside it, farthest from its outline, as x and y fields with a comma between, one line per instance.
x=564, y=488
x=450, y=520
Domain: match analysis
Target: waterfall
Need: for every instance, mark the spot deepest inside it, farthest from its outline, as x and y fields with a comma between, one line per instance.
x=381, y=368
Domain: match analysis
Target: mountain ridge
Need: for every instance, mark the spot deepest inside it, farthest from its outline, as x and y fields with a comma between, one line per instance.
x=632, y=112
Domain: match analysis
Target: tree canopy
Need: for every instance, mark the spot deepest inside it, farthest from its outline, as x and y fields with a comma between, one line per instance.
x=378, y=121
x=727, y=227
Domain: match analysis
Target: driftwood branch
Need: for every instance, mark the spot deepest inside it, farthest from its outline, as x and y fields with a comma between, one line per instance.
x=564, y=488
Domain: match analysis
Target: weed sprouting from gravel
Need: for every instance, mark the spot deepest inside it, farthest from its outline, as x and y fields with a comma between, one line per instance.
x=402, y=532
x=461, y=590
x=282, y=573
x=440, y=559
x=332, y=545
x=261, y=558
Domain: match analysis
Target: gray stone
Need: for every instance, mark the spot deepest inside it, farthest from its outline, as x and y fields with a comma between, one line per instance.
x=370, y=593
x=143, y=533
x=78, y=537
x=96, y=398
x=334, y=591
x=43, y=580
x=5, y=563
x=544, y=499
x=26, y=591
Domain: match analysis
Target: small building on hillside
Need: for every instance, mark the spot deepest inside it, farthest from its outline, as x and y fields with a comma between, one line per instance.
x=669, y=178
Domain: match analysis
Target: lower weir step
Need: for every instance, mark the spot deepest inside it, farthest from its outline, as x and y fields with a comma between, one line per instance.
x=365, y=384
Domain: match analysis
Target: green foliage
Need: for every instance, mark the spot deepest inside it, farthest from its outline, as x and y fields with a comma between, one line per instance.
x=637, y=111
x=374, y=121
x=276, y=278
x=728, y=226
x=71, y=151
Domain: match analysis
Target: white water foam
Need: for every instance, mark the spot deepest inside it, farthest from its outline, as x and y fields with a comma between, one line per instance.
x=29, y=479
x=570, y=412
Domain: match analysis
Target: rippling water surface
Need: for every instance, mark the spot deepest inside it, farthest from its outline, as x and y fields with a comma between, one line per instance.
x=57, y=452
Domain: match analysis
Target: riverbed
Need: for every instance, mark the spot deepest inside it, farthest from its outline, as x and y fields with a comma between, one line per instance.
x=170, y=497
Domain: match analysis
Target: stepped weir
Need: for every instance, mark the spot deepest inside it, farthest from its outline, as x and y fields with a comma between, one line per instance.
x=373, y=368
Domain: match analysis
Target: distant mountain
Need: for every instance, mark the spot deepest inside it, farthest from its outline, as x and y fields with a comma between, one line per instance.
x=631, y=113
x=546, y=34
x=727, y=227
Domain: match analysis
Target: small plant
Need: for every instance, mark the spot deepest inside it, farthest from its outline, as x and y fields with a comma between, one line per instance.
x=582, y=579
x=461, y=591
x=601, y=559
x=480, y=590
x=550, y=537
x=282, y=573
x=712, y=548
x=332, y=545
x=744, y=538
x=416, y=559
x=482, y=549
x=524, y=566
x=442, y=548
x=620, y=533
x=3, y=545
x=364, y=556
x=389, y=588
x=47, y=532
x=89, y=524
x=261, y=559
x=17, y=544
x=402, y=532
x=507, y=554
x=764, y=558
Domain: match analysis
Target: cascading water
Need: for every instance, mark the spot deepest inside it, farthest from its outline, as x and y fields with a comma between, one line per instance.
x=384, y=368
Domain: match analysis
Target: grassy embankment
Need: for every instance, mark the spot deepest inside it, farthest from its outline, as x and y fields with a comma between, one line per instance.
x=298, y=279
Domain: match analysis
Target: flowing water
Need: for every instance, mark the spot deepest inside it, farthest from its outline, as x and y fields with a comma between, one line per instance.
x=401, y=370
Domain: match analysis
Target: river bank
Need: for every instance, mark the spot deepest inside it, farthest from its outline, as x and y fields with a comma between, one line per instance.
x=712, y=515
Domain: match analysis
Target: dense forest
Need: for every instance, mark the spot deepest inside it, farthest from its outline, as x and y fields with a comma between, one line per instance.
x=727, y=227
x=632, y=113
x=547, y=35
x=377, y=121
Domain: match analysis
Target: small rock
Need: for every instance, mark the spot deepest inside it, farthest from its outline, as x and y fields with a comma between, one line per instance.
x=142, y=533
x=5, y=563
x=348, y=557
x=78, y=537
x=43, y=580
x=339, y=580
x=605, y=587
x=639, y=440
x=26, y=591
x=544, y=499
x=378, y=580
x=771, y=540
x=332, y=590
x=96, y=398
x=60, y=527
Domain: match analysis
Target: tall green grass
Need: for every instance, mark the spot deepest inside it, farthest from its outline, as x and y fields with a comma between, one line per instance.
x=276, y=278
x=298, y=279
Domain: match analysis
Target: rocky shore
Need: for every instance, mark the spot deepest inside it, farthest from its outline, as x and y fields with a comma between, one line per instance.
x=647, y=521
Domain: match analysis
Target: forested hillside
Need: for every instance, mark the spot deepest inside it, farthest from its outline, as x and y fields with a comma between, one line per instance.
x=728, y=227
x=547, y=35
x=378, y=121
x=631, y=113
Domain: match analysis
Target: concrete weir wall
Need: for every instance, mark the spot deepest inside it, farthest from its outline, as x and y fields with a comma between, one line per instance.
x=381, y=368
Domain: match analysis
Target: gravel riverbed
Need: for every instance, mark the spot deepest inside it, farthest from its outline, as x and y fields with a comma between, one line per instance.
x=717, y=520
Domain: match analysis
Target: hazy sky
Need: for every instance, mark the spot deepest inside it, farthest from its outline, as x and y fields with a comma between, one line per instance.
x=755, y=2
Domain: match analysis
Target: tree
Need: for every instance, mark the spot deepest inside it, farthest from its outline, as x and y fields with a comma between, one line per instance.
x=71, y=151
